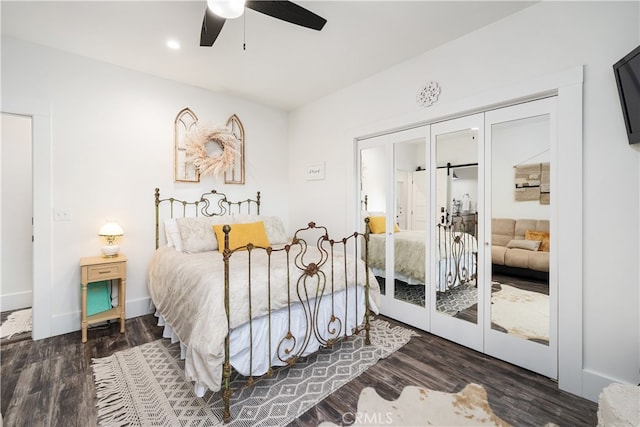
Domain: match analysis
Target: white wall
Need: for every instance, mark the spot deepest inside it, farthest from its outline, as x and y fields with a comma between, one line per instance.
x=112, y=145
x=546, y=38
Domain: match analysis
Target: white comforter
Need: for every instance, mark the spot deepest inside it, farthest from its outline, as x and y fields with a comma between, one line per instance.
x=188, y=291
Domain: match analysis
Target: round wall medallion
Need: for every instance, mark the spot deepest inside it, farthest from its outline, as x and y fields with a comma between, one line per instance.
x=428, y=94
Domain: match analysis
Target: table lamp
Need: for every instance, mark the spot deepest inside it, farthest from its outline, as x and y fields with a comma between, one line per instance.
x=110, y=231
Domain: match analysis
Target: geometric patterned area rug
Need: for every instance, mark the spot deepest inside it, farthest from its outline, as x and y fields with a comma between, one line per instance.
x=146, y=385
x=421, y=406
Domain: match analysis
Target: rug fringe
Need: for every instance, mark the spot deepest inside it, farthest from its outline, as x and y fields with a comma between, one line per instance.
x=398, y=330
x=113, y=405
x=383, y=330
x=145, y=386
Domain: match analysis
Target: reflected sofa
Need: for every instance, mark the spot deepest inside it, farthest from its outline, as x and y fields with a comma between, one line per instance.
x=520, y=247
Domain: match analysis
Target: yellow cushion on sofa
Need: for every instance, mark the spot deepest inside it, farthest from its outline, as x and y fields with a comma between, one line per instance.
x=542, y=236
x=243, y=234
x=378, y=224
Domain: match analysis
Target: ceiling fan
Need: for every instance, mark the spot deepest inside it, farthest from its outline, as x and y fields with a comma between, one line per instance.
x=218, y=11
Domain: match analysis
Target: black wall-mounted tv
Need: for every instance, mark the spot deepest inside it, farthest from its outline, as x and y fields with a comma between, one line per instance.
x=627, y=72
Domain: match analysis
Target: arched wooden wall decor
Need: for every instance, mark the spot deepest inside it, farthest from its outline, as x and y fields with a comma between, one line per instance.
x=184, y=170
x=236, y=174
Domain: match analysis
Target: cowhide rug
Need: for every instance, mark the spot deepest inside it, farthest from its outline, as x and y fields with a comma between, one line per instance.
x=418, y=406
x=522, y=313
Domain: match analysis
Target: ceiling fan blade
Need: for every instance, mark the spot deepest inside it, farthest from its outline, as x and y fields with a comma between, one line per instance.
x=211, y=26
x=288, y=11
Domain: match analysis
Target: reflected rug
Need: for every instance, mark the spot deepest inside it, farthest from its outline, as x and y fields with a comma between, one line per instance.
x=418, y=406
x=459, y=298
x=17, y=322
x=524, y=314
x=146, y=385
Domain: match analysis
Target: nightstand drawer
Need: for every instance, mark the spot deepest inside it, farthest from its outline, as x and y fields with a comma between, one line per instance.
x=101, y=272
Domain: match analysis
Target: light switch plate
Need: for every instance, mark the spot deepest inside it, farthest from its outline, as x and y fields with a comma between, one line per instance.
x=61, y=214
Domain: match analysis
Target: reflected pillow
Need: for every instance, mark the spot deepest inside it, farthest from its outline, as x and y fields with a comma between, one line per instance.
x=542, y=236
x=242, y=234
x=378, y=225
x=530, y=245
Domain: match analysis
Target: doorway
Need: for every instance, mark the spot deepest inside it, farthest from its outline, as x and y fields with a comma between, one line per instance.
x=16, y=249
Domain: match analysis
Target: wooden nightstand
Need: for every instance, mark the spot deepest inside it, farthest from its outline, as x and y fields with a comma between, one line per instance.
x=95, y=269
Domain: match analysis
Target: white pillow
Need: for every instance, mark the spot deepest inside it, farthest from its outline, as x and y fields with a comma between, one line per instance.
x=272, y=224
x=172, y=232
x=197, y=233
x=530, y=245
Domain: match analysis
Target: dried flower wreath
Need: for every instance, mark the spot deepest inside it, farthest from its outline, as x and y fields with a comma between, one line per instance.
x=196, y=149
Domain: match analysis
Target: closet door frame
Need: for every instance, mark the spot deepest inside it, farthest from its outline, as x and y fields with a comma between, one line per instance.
x=567, y=84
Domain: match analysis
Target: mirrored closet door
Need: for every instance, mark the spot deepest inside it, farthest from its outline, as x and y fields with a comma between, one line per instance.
x=521, y=321
x=394, y=194
x=457, y=293
x=463, y=216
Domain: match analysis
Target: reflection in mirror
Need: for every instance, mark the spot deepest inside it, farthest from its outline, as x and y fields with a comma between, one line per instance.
x=409, y=236
x=373, y=201
x=520, y=206
x=456, y=231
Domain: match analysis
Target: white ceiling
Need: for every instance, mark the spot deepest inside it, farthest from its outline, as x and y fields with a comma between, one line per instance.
x=283, y=66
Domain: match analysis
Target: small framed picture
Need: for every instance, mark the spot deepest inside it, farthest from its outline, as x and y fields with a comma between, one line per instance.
x=314, y=171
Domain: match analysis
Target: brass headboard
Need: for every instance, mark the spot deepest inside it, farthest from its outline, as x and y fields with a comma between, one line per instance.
x=212, y=203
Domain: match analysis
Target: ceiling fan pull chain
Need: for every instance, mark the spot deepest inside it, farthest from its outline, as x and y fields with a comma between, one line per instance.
x=244, y=32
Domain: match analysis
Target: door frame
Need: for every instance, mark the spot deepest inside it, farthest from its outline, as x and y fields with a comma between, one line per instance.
x=568, y=86
x=40, y=113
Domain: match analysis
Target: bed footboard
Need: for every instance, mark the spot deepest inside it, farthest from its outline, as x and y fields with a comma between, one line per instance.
x=320, y=270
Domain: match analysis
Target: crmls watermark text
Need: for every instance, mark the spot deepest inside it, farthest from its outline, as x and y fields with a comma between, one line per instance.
x=376, y=418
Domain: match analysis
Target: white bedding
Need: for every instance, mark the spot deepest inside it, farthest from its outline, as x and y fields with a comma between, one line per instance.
x=188, y=293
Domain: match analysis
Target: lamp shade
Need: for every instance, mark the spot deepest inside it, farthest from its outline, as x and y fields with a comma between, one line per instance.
x=228, y=9
x=110, y=229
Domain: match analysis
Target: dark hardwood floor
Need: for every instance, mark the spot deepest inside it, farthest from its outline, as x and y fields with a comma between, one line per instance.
x=50, y=382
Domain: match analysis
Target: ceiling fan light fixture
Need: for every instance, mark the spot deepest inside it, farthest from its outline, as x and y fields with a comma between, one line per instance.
x=228, y=9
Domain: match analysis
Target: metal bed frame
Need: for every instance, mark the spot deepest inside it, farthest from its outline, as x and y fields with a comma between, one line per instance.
x=312, y=282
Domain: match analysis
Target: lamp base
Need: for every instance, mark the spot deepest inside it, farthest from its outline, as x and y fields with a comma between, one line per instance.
x=110, y=251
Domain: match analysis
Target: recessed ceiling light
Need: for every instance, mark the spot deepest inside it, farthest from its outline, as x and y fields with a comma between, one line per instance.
x=172, y=44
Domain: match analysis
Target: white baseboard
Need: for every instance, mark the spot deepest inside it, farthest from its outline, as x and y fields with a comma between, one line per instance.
x=594, y=382
x=15, y=301
x=71, y=322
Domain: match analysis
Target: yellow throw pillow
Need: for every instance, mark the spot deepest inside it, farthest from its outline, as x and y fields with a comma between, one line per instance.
x=542, y=236
x=378, y=225
x=243, y=234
